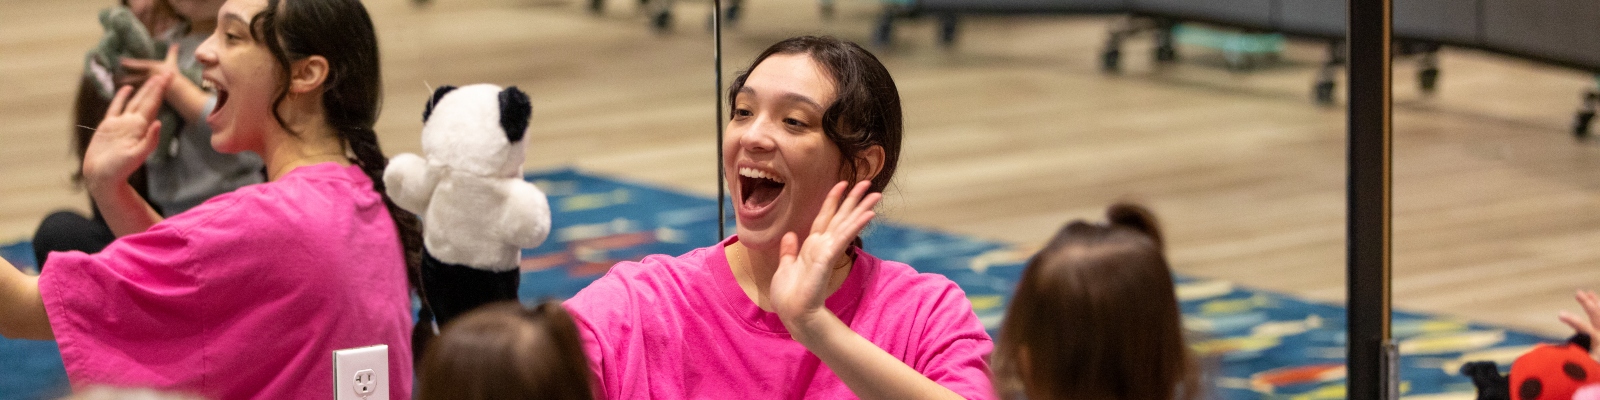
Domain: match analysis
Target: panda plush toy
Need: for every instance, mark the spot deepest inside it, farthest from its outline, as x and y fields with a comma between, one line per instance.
x=477, y=211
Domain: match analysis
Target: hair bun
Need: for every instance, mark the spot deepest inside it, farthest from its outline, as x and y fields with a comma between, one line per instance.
x=1138, y=218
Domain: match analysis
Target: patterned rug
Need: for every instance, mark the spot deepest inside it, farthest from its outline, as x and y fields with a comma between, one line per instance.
x=1255, y=344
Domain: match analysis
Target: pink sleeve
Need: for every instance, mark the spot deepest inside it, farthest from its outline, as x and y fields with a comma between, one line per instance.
x=118, y=314
x=604, y=313
x=956, y=351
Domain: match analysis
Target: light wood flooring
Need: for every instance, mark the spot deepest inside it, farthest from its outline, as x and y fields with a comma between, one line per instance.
x=1009, y=135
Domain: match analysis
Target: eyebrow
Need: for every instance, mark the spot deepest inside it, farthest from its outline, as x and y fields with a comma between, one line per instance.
x=794, y=97
x=235, y=18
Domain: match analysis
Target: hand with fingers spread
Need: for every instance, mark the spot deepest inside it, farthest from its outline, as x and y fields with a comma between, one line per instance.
x=1591, y=307
x=800, y=285
x=127, y=135
x=141, y=70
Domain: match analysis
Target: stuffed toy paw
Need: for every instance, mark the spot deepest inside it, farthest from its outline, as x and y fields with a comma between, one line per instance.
x=477, y=211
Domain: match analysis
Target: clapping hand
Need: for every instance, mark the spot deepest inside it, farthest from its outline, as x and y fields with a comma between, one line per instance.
x=800, y=286
x=127, y=135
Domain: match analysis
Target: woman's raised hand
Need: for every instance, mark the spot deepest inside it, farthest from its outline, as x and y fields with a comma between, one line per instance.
x=127, y=135
x=800, y=285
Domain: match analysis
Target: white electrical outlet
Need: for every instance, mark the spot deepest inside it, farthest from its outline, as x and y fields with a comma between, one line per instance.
x=361, y=373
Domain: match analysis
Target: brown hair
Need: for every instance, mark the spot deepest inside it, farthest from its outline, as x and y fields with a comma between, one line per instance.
x=867, y=110
x=1095, y=317
x=506, y=351
x=342, y=32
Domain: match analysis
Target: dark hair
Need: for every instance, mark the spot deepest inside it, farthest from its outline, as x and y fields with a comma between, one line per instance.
x=1095, y=317
x=342, y=32
x=506, y=351
x=867, y=110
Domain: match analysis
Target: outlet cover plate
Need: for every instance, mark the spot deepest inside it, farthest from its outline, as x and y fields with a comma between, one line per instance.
x=361, y=373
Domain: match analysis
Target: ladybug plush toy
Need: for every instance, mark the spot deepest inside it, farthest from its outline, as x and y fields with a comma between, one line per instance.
x=1547, y=372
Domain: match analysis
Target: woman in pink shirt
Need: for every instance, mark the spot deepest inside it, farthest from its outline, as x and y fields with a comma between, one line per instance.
x=248, y=294
x=791, y=306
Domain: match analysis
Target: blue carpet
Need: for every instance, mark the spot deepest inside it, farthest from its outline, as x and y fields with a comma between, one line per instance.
x=1254, y=344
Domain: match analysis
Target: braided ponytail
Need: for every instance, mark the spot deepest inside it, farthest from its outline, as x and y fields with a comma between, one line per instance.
x=369, y=155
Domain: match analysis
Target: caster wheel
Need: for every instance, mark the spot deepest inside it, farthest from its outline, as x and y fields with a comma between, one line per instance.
x=947, y=30
x=1323, y=93
x=883, y=34
x=1580, y=126
x=1240, y=62
x=1166, y=54
x=1428, y=79
x=662, y=21
x=732, y=13
x=1111, y=61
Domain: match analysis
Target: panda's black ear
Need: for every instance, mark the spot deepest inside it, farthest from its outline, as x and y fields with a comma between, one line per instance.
x=514, y=113
x=427, y=110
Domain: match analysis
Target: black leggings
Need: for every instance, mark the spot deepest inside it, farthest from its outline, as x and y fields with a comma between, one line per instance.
x=66, y=230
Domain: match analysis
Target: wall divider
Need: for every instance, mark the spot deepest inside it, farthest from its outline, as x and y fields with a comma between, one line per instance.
x=1371, y=355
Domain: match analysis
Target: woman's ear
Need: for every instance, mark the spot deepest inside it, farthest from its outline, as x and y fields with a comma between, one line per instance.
x=307, y=74
x=869, y=162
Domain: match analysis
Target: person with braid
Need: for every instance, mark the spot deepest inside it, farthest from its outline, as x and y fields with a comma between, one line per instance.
x=249, y=293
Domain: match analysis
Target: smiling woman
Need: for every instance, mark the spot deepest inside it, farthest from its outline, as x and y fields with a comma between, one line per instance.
x=208, y=301
x=787, y=306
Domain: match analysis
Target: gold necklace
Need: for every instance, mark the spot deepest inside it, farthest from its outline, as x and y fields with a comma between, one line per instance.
x=740, y=267
x=298, y=162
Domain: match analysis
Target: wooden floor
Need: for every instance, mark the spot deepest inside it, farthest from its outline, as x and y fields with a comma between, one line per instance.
x=1009, y=135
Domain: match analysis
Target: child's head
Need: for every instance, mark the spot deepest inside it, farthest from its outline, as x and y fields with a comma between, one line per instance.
x=156, y=15
x=115, y=393
x=1095, y=316
x=506, y=350
x=200, y=12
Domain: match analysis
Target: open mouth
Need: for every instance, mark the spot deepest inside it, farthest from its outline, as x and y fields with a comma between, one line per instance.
x=758, y=188
x=222, y=98
x=222, y=95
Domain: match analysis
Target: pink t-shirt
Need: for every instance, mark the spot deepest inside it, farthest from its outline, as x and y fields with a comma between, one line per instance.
x=244, y=296
x=680, y=327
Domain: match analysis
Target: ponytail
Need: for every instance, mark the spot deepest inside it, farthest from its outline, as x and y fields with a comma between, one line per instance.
x=1138, y=218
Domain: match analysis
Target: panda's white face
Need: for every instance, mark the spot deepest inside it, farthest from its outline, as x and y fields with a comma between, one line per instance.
x=464, y=132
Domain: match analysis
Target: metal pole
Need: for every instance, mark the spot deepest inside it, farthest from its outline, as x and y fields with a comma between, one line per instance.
x=1371, y=355
x=722, y=187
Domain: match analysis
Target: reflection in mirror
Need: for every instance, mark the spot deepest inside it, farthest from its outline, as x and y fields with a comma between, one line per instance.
x=1017, y=121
